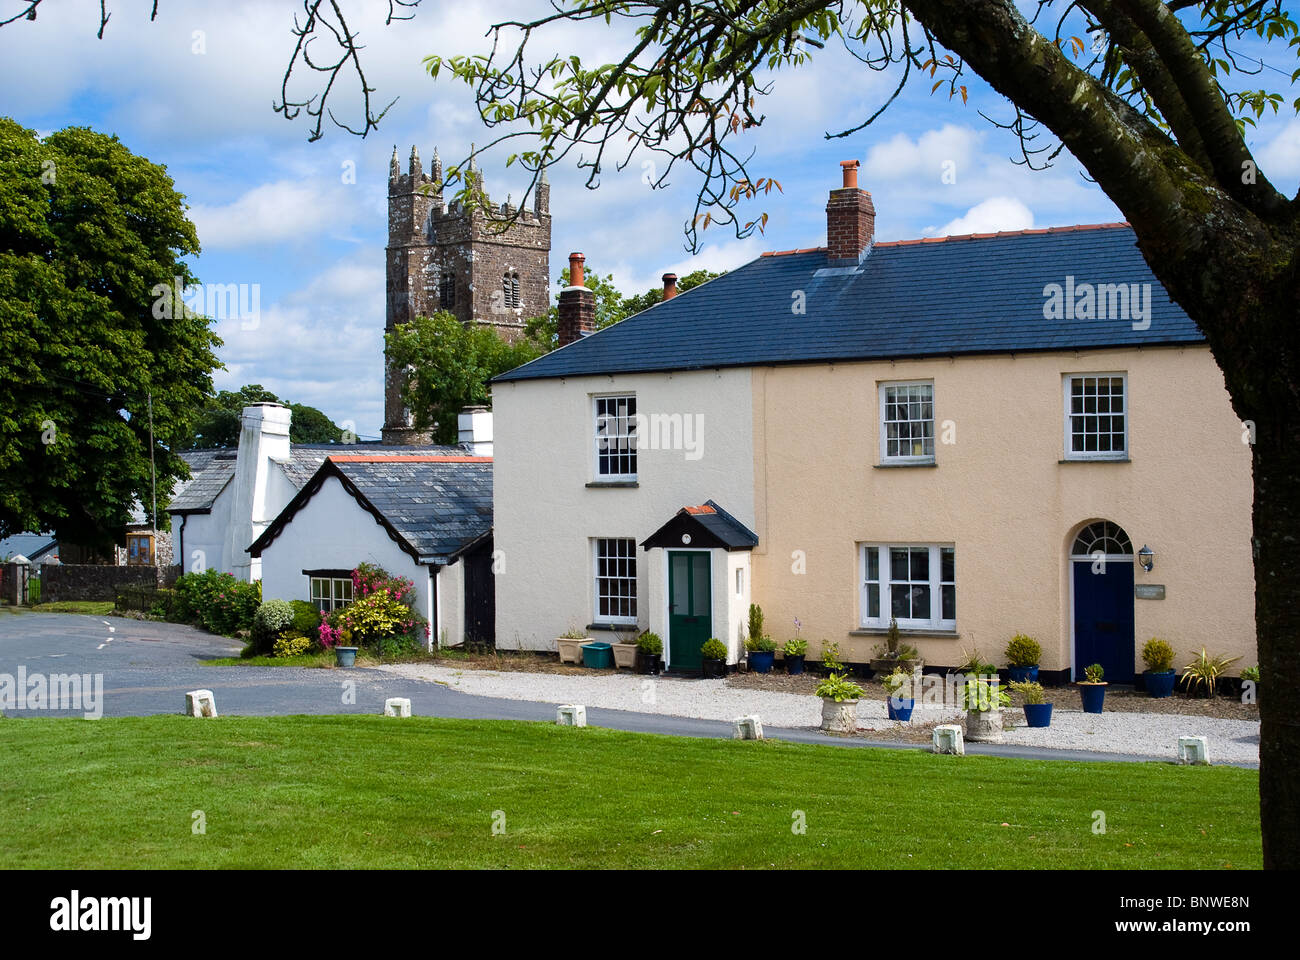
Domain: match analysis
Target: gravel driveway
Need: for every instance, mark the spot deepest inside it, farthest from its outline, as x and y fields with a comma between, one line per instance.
x=1138, y=734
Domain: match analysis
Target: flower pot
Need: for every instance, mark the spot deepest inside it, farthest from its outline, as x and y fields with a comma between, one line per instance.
x=1023, y=674
x=839, y=716
x=345, y=656
x=598, y=656
x=646, y=662
x=571, y=649
x=714, y=669
x=1038, y=714
x=794, y=663
x=900, y=709
x=624, y=654
x=1093, y=696
x=1161, y=683
x=984, y=726
x=760, y=661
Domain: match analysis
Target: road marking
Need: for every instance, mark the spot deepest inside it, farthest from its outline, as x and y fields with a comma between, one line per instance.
x=100, y=647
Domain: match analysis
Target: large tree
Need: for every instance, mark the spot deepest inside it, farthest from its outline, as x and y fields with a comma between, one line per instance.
x=216, y=424
x=89, y=370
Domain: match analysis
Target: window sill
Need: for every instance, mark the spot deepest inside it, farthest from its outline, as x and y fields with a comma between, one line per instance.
x=1096, y=460
x=596, y=484
x=936, y=632
x=911, y=463
x=611, y=627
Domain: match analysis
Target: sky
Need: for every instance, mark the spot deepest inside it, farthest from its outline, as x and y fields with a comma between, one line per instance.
x=306, y=223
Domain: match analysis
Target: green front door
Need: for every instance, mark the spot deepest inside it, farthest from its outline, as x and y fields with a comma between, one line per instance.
x=690, y=608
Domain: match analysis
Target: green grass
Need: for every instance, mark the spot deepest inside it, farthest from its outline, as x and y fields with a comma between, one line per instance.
x=99, y=608
x=365, y=791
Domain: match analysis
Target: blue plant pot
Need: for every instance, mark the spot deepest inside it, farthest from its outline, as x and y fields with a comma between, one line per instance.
x=761, y=661
x=1093, y=696
x=794, y=663
x=345, y=656
x=1022, y=674
x=1040, y=714
x=1160, y=684
x=900, y=709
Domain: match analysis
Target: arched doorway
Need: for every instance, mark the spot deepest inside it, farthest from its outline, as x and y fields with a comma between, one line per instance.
x=1101, y=579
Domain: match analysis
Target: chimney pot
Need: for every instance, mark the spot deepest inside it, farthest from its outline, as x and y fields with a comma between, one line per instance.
x=576, y=277
x=670, y=285
x=850, y=171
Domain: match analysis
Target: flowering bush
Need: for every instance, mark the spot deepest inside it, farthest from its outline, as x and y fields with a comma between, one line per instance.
x=272, y=619
x=216, y=601
x=382, y=615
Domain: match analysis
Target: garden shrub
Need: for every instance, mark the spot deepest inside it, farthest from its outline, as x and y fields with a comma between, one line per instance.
x=272, y=618
x=216, y=601
x=382, y=616
x=306, y=618
x=291, y=643
x=1023, y=651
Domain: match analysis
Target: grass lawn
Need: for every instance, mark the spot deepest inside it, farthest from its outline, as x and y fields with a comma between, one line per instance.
x=99, y=608
x=364, y=791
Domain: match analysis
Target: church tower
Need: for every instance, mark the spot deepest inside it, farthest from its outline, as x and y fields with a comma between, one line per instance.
x=464, y=260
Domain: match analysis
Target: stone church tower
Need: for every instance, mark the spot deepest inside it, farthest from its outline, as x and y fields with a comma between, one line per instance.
x=448, y=257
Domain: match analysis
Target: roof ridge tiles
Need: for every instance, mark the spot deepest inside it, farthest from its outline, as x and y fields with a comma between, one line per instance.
x=1029, y=231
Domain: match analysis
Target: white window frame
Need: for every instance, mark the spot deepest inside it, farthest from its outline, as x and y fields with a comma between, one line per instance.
x=936, y=620
x=335, y=601
x=597, y=616
x=883, y=389
x=1067, y=379
x=597, y=439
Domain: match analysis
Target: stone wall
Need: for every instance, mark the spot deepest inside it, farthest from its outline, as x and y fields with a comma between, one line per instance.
x=60, y=582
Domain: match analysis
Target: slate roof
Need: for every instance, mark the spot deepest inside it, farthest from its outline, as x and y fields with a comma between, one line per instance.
x=434, y=505
x=944, y=296
x=33, y=546
x=710, y=526
x=212, y=469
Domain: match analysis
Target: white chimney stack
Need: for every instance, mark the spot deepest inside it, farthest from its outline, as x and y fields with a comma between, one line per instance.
x=475, y=424
x=263, y=438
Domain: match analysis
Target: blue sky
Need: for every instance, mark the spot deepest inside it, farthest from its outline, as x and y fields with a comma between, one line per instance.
x=275, y=210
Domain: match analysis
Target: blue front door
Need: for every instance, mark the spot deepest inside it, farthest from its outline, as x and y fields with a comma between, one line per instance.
x=1103, y=618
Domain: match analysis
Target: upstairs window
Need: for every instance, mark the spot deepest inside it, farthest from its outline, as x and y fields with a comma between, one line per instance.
x=907, y=422
x=447, y=291
x=1096, y=417
x=616, y=437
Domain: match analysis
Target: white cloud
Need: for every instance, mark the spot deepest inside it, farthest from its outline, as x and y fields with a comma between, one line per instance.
x=923, y=158
x=1279, y=159
x=990, y=216
x=270, y=213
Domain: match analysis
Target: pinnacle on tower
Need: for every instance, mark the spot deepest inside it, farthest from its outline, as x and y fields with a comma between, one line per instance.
x=435, y=168
x=415, y=162
x=394, y=168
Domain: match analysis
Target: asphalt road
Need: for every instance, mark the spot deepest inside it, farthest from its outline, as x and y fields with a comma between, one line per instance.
x=147, y=667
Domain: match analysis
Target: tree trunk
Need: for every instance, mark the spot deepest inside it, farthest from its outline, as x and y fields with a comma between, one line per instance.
x=1277, y=624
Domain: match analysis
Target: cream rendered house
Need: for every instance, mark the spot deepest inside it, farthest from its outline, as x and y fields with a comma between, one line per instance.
x=977, y=436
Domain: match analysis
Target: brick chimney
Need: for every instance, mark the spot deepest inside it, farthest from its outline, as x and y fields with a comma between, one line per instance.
x=577, y=306
x=670, y=285
x=850, y=218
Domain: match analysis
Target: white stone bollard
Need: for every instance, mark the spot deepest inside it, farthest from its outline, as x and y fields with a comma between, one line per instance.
x=571, y=715
x=1193, y=750
x=747, y=728
x=200, y=703
x=948, y=739
x=397, y=707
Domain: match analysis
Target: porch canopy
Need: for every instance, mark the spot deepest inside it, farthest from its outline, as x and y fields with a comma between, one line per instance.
x=706, y=526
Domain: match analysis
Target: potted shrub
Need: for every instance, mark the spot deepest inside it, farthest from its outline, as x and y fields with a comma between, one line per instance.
x=762, y=653
x=1204, y=671
x=334, y=635
x=1038, y=712
x=1160, y=674
x=1092, y=689
x=794, y=651
x=896, y=653
x=713, y=654
x=569, y=644
x=649, y=654
x=1023, y=654
x=840, y=697
x=984, y=700
x=625, y=648
x=901, y=702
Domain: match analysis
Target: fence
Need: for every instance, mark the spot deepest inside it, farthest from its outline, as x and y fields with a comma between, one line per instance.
x=137, y=597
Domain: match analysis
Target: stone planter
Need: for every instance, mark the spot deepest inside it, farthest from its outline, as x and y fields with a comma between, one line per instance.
x=571, y=649
x=624, y=654
x=984, y=726
x=839, y=716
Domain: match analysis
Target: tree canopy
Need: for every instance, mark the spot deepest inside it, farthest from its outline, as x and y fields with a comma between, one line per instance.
x=87, y=230
x=216, y=424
